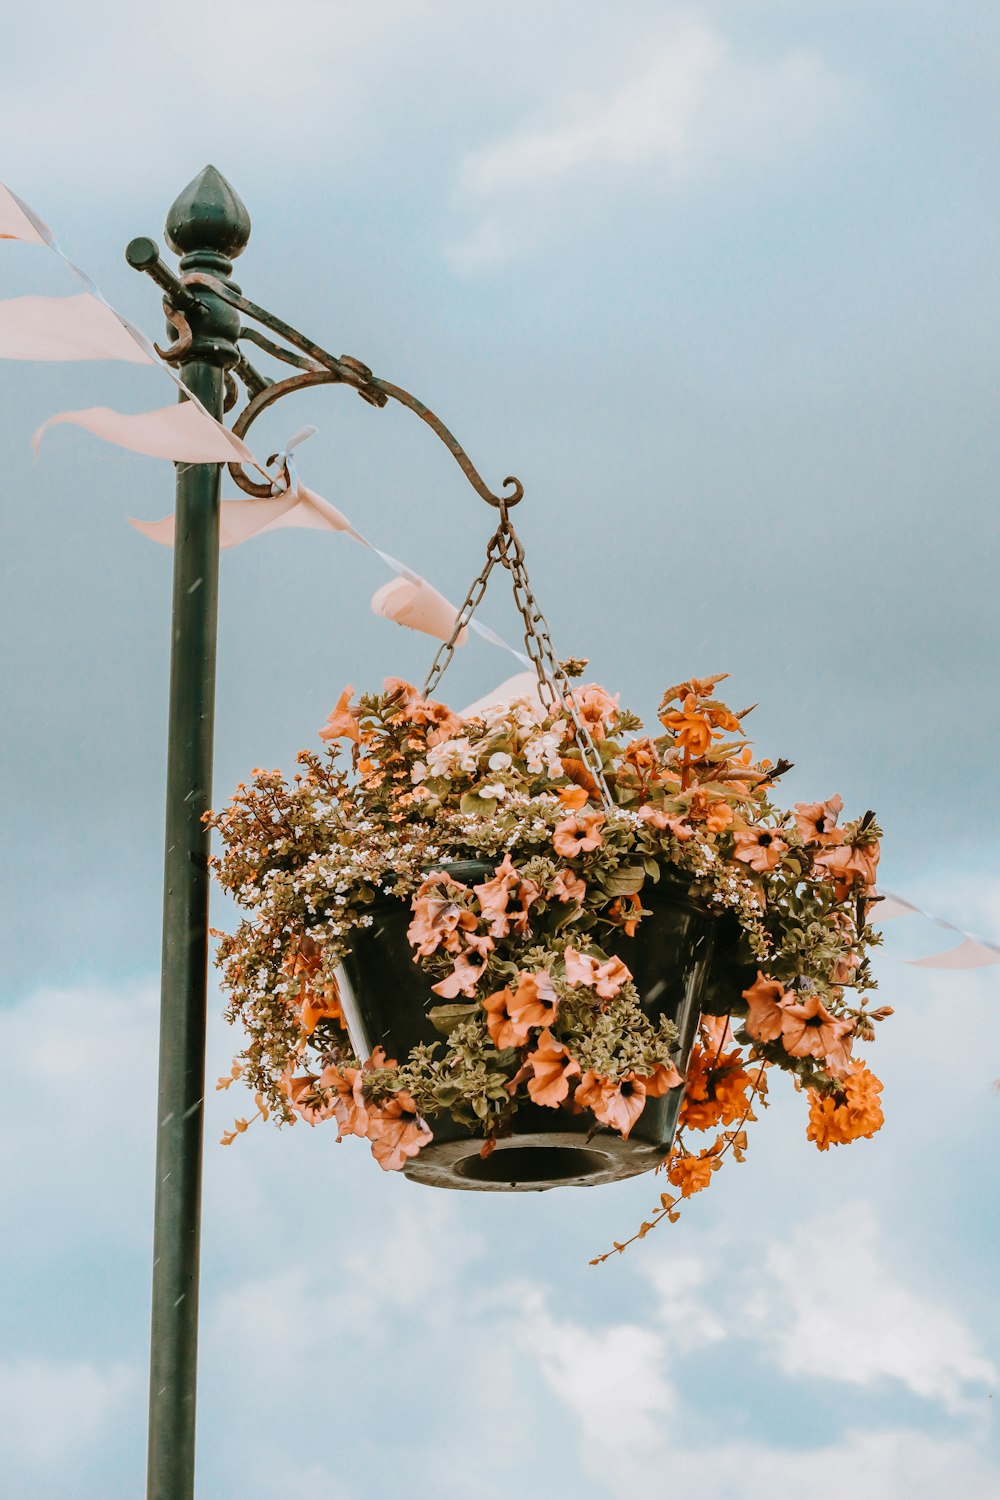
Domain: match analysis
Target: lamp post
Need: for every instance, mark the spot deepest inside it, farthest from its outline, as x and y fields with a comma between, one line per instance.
x=208, y=226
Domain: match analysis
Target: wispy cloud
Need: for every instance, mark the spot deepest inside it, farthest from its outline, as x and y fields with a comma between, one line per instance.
x=864, y=1325
x=692, y=105
x=55, y=1411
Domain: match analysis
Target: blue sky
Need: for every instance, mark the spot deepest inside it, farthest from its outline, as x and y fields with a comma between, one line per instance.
x=718, y=283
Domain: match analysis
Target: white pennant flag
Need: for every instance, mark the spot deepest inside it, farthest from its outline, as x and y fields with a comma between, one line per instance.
x=80, y=327
x=19, y=222
x=415, y=603
x=185, y=433
x=239, y=520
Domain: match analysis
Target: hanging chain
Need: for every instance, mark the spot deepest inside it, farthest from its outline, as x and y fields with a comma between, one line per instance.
x=554, y=688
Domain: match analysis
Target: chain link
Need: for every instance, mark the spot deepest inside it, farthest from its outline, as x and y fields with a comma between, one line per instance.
x=554, y=688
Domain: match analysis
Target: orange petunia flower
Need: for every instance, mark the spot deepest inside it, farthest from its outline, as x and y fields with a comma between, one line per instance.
x=596, y=708
x=321, y=1005
x=439, y=919
x=849, y=864
x=462, y=980
x=348, y=1104
x=573, y=797
x=494, y=895
x=578, y=834
x=657, y=818
x=759, y=848
x=534, y=1002
x=505, y=1031
x=568, y=887
x=767, y=1000
x=817, y=821
x=808, y=1029
x=342, y=724
x=397, y=1130
x=304, y=1098
x=663, y=1078
x=617, y=1105
x=606, y=978
x=552, y=1067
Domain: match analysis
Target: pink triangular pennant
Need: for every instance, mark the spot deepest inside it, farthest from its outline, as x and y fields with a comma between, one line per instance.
x=80, y=327
x=184, y=433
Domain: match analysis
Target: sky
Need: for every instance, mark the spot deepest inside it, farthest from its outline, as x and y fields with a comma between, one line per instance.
x=718, y=283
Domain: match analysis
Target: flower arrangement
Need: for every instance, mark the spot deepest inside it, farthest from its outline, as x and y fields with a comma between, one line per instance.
x=529, y=965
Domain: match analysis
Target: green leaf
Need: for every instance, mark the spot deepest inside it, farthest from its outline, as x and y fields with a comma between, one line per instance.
x=482, y=806
x=624, y=882
x=444, y=1018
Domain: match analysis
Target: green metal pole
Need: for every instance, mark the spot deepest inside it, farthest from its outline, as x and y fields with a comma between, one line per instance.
x=208, y=224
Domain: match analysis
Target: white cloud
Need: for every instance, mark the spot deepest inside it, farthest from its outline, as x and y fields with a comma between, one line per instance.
x=611, y=1377
x=692, y=106
x=55, y=1411
x=835, y=1309
x=889, y=1464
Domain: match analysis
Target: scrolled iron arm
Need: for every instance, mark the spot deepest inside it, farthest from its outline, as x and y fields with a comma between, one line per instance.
x=318, y=367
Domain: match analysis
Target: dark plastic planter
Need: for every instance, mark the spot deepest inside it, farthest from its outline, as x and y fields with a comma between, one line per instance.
x=387, y=997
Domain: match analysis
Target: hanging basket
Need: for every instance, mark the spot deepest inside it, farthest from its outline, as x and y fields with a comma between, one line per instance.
x=625, y=931
x=674, y=961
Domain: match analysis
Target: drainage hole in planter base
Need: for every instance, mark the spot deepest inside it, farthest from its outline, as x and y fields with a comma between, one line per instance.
x=515, y=1164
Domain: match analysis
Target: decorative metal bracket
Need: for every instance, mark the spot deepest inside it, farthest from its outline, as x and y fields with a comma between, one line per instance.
x=314, y=364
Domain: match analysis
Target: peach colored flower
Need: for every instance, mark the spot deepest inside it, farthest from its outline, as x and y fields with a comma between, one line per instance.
x=320, y=1005
x=568, y=887
x=810, y=1030
x=845, y=968
x=849, y=864
x=534, y=1002
x=307, y=1102
x=817, y=821
x=578, y=833
x=575, y=770
x=716, y=1034
x=573, y=797
x=493, y=896
x=397, y=1130
x=657, y=818
x=596, y=708
x=439, y=919
x=348, y=1103
x=552, y=1067
x=605, y=978
x=768, y=1001
x=663, y=1078
x=617, y=1105
x=759, y=848
x=341, y=724
x=462, y=980
x=505, y=1031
